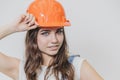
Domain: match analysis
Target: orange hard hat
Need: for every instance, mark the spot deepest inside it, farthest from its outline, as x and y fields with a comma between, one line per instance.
x=48, y=13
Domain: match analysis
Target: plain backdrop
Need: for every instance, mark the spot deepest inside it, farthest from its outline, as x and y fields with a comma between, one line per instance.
x=94, y=32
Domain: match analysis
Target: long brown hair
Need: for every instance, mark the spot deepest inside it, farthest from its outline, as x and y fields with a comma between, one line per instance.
x=34, y=59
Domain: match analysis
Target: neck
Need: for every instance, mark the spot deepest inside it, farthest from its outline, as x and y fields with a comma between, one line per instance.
x=47, y=59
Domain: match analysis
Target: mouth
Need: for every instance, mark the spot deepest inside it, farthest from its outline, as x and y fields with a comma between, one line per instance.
x=53, y=48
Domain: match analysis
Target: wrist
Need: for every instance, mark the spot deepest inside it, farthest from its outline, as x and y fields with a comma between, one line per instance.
x=15, y=27
x=11, y=28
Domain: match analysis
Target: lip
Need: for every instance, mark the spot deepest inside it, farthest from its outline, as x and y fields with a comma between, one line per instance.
x=53, y=48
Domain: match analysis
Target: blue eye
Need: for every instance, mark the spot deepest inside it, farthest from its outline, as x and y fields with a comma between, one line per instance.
x=59, y=31
x=45, y=33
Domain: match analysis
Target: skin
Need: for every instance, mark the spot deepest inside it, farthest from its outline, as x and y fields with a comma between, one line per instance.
x=10, y=65
x=49, y=42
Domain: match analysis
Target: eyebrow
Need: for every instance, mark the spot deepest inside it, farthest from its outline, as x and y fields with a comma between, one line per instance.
x=46, y=30
x=59, y=28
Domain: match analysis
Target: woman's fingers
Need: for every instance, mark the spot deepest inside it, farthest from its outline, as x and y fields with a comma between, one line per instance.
x=32, y=21
x=27, y=22
x=27, y=16
x=32, y=27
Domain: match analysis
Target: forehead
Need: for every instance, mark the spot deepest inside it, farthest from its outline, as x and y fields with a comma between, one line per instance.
x=50, y=28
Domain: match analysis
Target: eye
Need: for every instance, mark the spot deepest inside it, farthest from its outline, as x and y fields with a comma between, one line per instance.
x=45, y=33
x=60, y=31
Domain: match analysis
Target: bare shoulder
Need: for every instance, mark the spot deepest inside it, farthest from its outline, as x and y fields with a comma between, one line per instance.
x=88, y=72
x=8, y=63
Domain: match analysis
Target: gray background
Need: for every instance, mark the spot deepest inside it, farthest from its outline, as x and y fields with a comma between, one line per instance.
x=94, y=33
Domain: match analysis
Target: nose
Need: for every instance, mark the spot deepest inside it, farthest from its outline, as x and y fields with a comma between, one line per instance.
x=54, y=39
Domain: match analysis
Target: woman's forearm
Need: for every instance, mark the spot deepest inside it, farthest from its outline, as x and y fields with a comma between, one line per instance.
x=6, y=30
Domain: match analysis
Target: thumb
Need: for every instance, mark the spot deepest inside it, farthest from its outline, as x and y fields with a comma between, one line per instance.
x=22, y=18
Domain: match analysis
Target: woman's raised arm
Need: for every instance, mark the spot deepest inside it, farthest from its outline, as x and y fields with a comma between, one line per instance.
x=23, y=23
x=89, y=73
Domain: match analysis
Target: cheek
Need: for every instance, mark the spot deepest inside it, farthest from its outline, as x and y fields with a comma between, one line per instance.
x=41, y=43
x=61, y=38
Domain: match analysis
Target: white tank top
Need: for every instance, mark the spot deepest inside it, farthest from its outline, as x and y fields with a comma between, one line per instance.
x=77, y=62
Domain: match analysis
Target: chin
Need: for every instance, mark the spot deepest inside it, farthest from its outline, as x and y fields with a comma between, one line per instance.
x=52, y=53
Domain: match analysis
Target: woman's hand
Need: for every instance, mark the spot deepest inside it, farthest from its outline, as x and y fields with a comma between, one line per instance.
x=24, y=23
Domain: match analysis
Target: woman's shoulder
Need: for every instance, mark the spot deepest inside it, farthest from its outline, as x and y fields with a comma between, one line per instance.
x=77, y=61
x=75, y=58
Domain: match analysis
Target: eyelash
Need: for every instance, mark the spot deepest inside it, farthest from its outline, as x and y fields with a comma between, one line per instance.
x=45, y=33
x=59, y=31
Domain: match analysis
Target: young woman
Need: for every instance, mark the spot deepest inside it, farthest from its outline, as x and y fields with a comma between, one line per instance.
x=46, y=52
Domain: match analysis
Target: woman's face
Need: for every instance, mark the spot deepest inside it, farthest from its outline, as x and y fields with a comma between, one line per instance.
x=49, y=40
